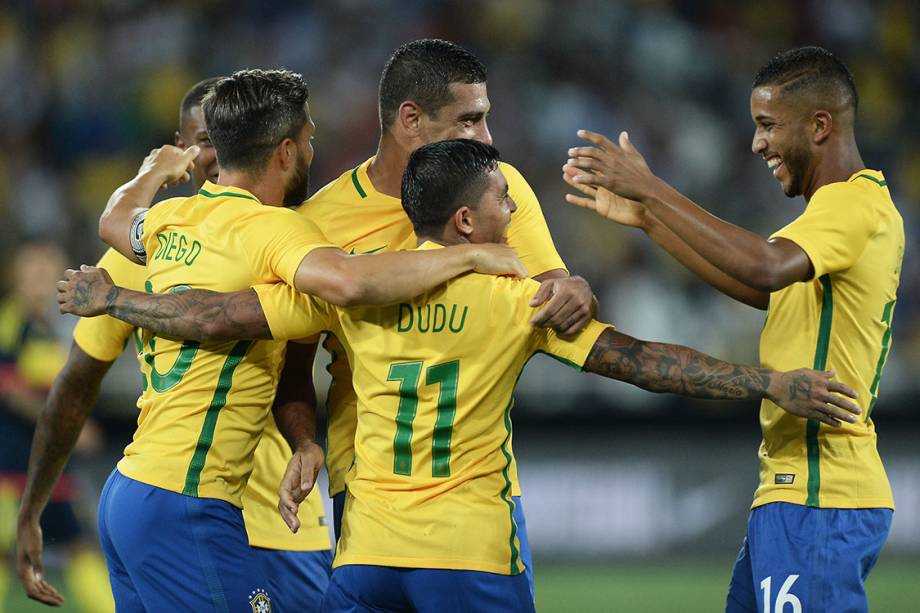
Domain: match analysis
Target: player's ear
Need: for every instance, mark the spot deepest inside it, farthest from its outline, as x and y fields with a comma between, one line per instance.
x=822, y=125
x=409, y=117
x=287, y=153
x=463, y=221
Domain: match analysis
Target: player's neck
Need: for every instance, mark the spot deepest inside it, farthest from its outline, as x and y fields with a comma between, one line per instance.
x=267, y=189
x=386, y=171
x=838, y=163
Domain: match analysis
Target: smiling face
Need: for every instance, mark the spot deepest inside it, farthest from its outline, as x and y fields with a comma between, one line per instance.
x=464, y=117
x=781, y=138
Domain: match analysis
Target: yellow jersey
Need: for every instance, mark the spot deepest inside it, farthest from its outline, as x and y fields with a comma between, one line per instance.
x=104, y=338
x=841, y=320
x=351, y=214
x=205, y=405
x=430, y=483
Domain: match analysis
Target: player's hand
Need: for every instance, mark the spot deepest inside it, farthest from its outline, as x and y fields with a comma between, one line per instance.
x=604, y=202
x=29, y=563
x=568, y=305
x=815, y=395
x=495, y=259
x=619, y=168
x=85, y=292
x=299, y=478
x=170, y=164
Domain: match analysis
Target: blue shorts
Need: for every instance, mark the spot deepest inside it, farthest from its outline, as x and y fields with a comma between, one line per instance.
x=383, y=589
x=816, y=558
x=169, y=552
x=297, y=580
x=338, y=509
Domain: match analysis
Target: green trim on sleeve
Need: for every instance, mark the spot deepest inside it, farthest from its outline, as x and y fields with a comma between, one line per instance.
x=574, y=365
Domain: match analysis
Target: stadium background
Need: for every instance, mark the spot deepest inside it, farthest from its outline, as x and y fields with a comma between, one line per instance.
x=635, y=502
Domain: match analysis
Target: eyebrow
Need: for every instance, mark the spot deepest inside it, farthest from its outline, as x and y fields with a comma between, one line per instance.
x=473, y=115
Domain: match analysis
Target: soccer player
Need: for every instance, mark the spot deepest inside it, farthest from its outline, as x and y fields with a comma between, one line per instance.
x=31, y=354
x=434, y=378
x=430, y=90
x=823, y=508
x=169, y=516
x=297, y=568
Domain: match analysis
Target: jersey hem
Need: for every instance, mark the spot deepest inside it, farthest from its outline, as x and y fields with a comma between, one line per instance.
x=827, y=503
x=314, y=543
x=204, y=491
x=434, y=563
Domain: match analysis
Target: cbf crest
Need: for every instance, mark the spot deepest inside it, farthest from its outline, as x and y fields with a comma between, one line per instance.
x=260, y=602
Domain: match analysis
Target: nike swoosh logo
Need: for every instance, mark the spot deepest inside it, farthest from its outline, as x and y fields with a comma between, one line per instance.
x=353, y=252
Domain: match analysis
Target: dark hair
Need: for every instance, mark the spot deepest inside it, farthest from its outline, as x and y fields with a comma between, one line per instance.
x=422, y=71
x=193, y=98
x=443, y=176
x=250, y=112
x=812, y=70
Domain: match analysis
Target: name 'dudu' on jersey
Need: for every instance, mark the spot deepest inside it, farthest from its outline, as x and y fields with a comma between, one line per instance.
x=433, y=318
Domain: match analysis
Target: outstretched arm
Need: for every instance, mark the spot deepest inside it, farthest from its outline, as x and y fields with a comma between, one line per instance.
x=71, y=399
x=167, y=165
x=765, y=265
x=635, y=214
x=660, y=367
x=383, y=278
x=195, y=314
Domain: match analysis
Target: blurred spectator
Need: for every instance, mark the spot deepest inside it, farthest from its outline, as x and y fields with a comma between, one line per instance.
x=31, y=354
x=90, y=87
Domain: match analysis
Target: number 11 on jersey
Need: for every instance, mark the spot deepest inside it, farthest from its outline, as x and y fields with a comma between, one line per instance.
x=447, y=377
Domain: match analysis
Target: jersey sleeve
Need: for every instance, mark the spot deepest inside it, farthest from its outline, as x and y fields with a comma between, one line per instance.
x=571, y=351
x=278, y=239
x=834, y=229
x=528, y=233
x=104, y=337
x=513, y=297
x=293, y=315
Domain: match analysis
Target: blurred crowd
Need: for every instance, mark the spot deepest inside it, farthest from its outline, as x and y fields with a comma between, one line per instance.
x=89, y=86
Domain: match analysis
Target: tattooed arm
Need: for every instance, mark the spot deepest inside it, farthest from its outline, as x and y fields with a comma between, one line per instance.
x=70, y=401
x=194, y=314
x=660, y=367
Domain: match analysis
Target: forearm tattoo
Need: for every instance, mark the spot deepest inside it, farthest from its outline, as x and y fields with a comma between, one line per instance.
x=194, y=314
x=660, y=367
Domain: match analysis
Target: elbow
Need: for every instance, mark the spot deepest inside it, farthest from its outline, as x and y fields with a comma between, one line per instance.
x=768, y=279
x=349, y=292
x=214, y=329
x=105, y=228
x=765, y=275
x=348, y=288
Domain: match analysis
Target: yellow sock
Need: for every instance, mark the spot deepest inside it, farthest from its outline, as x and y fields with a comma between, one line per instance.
x=88, y=581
